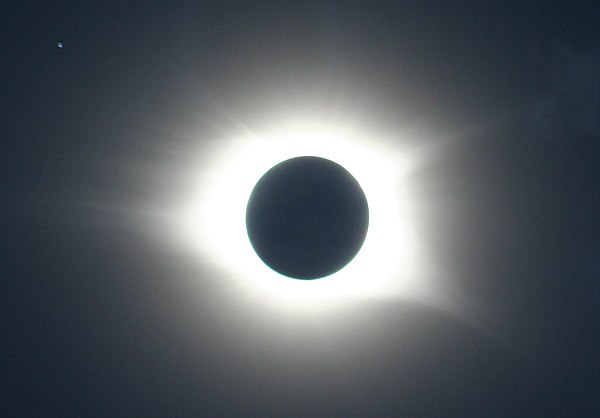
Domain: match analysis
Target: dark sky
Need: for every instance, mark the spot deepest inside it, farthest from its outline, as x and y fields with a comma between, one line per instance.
x=102, y=316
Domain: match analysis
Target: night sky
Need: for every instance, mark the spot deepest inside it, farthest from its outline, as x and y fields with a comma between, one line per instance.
x=106, y=310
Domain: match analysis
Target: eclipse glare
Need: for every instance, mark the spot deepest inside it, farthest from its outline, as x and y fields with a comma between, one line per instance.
x=307, y=218
x=212, y=217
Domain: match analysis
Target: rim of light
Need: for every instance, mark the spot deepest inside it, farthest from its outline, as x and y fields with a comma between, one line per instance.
x=212, y=220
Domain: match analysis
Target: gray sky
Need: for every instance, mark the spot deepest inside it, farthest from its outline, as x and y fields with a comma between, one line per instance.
x=110, y=311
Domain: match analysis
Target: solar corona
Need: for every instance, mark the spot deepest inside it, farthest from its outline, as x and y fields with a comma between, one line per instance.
x=302, y=214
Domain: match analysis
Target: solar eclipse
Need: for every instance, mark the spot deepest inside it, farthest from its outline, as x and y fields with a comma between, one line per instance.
x=384, y=256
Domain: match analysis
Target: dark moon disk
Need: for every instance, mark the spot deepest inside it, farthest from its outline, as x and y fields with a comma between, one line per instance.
x=307, y=218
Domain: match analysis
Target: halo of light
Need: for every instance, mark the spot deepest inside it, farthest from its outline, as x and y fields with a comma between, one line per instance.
x=212, y=220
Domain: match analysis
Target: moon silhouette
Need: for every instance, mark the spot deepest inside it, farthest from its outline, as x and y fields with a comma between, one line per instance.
x=307, y=218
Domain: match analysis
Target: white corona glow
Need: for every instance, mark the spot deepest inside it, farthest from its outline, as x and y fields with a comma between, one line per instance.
x=213, y=219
